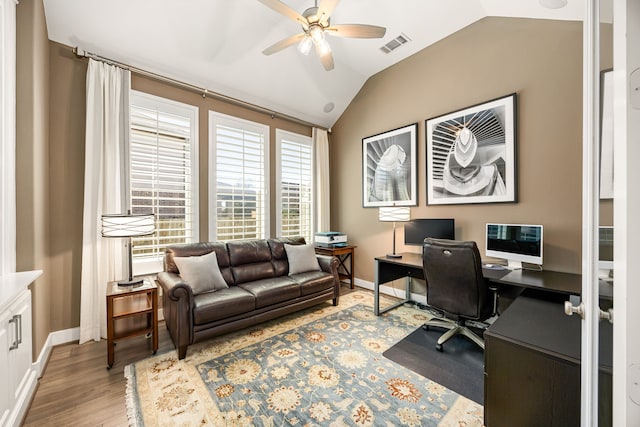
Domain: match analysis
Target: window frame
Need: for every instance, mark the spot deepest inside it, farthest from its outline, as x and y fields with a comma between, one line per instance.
x=153, y=264
x=303, y=140
x=214, y=119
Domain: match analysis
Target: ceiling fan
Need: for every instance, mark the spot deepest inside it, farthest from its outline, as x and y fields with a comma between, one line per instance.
x=315, y=25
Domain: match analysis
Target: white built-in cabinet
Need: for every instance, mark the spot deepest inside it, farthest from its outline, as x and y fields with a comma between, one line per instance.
x=16, y=367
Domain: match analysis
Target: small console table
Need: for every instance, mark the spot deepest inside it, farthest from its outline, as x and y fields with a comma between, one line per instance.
x=131, y=311
x=344, y=254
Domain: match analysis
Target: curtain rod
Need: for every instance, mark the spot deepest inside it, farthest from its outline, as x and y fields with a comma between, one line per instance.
x=80, y=53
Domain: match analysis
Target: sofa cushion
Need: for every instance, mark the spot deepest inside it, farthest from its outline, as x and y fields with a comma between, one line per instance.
x=313, y=281
x=212, y=306
x=302, y=258
x=201, y=272
x=272, y=291
x=250, y=260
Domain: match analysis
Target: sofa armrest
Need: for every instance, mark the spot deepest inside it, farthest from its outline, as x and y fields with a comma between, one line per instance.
x=177, y=309
x=330, y=264
x=174, y=287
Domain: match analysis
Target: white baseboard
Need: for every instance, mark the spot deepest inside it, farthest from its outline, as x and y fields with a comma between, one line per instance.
x=54, y=339
x=391, y=291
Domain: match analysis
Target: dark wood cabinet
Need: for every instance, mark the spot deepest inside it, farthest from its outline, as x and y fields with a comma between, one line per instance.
x=532, y=367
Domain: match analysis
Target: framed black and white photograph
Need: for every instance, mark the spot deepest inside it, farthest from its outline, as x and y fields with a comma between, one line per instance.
x=471, y=154
x=389, y=168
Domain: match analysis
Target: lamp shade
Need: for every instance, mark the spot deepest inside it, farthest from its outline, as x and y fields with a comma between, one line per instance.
x=128, y=225
x=394, y=213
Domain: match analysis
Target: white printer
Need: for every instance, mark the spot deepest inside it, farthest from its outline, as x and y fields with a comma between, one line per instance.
x=330, y=238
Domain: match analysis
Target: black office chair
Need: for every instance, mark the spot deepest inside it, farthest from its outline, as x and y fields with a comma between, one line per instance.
x=456, y=286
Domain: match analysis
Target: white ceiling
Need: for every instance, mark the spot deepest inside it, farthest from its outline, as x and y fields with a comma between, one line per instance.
x=217, y=44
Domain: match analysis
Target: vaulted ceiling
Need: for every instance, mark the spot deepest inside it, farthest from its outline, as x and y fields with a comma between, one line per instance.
x=218, y=44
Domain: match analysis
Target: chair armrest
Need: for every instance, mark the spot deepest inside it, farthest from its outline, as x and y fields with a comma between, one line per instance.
x=494, y=291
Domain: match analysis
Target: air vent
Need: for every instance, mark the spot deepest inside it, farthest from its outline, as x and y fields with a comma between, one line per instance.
x=395, y=43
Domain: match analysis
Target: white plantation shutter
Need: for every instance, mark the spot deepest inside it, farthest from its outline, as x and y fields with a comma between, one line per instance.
x=295, y=193
x=238, y=179
x=162, y=175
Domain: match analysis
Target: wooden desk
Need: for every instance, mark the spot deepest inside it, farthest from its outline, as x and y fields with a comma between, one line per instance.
x=389, y=269
x=131, y=311
x=532, y=367
x=410, y=266
x=344, y=254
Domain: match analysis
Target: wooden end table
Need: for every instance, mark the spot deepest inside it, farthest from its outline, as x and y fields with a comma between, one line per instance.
x=131, y=311
x=344, y=254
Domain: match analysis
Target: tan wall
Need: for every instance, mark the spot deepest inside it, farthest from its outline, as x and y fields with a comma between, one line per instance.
x=542, y=62
x=32, y=160
x=66, y=163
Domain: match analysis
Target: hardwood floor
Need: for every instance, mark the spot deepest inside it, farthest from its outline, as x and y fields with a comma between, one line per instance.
x=77, y=389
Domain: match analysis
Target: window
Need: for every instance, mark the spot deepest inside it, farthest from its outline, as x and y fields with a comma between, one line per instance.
x=294, y=213
x=238, y=178
x=163, y=175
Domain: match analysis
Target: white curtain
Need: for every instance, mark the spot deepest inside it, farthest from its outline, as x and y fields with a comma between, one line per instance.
x=107, y=131
x=323, y=211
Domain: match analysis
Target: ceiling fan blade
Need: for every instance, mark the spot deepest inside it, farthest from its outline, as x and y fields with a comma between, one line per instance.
x=285, y=10
x=359, y=31
x=283, y=44
x=327, y=61
x=325, y=9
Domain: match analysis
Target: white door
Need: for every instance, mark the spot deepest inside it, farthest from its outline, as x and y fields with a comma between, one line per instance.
x=626, y=124
x=626, y=342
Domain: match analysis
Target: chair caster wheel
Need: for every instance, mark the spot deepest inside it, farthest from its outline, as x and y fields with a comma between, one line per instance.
x=439, y=347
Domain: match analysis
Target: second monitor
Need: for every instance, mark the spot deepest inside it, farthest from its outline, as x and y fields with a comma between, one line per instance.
x=416, y=230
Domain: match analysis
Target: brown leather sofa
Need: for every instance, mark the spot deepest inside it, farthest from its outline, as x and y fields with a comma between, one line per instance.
x=260, y=289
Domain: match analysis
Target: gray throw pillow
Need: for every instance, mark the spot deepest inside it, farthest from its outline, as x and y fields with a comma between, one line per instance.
x=201, y=272
x=301, y=258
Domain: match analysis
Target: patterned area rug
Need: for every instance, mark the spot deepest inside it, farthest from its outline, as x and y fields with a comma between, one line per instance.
x=319, y=367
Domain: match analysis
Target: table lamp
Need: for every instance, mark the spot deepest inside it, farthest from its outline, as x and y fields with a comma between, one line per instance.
x=128, y=225
x=394, y=214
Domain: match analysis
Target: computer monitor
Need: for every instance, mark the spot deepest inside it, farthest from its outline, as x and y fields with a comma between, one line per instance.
x=516, y=243
x=605, y=252
x=415, y=231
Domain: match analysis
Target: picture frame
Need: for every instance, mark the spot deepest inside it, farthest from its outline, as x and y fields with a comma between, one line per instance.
x=471, y=154
x=389, y=168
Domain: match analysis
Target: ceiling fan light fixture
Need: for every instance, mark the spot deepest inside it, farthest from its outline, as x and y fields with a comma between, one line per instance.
x=305, y=45
x=317, y=33
x=323, y=48
x=553, y=4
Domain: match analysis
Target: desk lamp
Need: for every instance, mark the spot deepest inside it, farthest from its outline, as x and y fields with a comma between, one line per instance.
x=128, y=225
x=394, y=213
